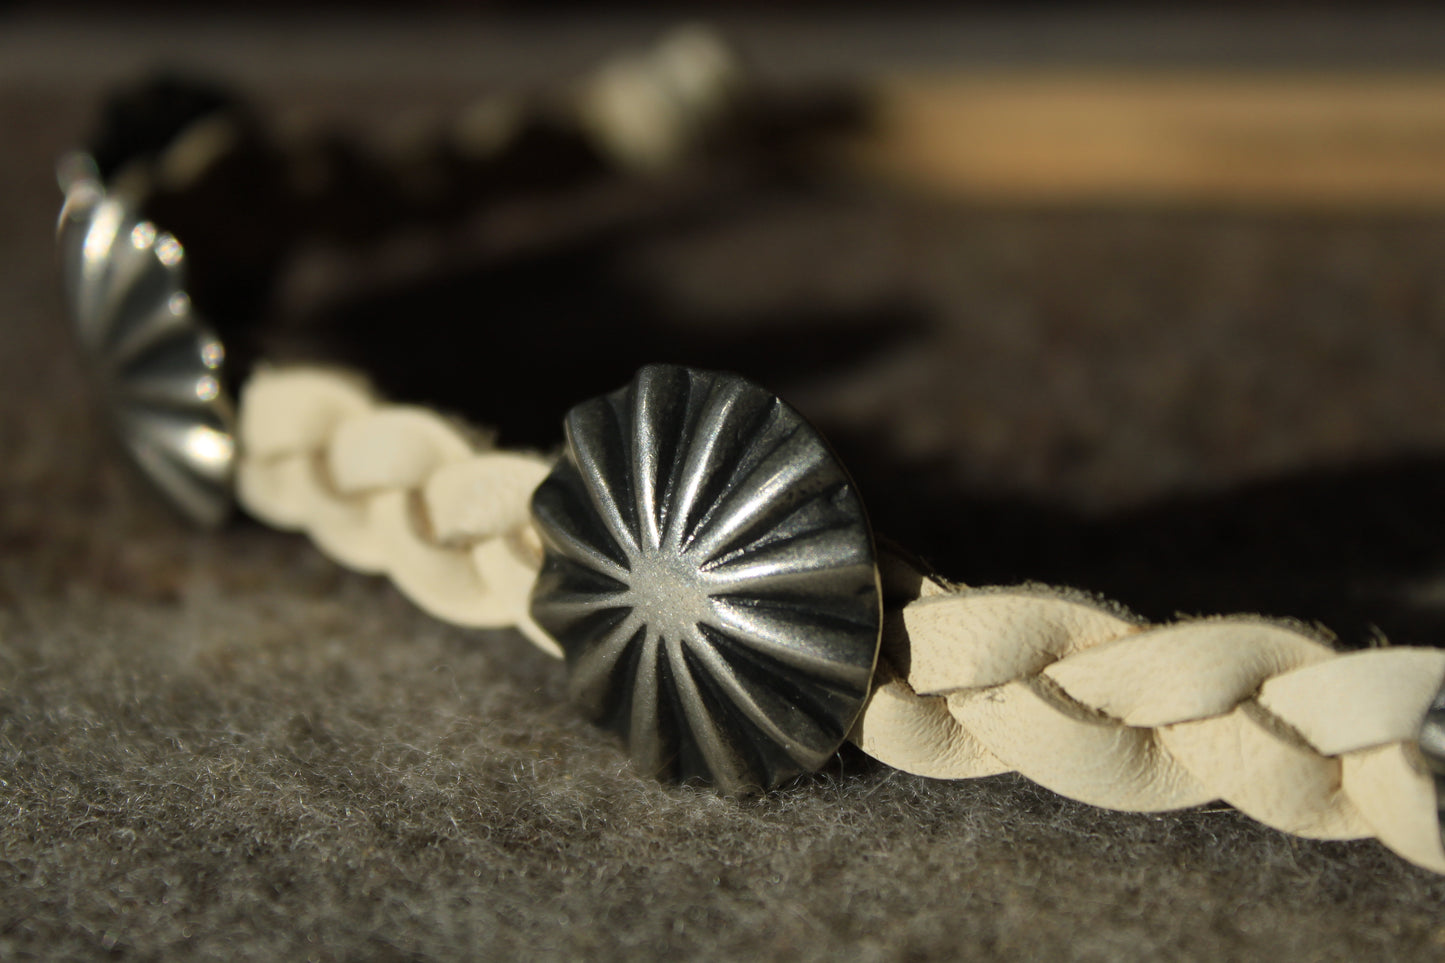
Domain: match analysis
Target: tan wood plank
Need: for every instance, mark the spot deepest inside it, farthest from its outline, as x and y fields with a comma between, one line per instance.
x=1286, y=139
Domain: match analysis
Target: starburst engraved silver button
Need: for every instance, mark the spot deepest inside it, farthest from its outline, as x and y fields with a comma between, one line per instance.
x=156, y=365
x=711, y=576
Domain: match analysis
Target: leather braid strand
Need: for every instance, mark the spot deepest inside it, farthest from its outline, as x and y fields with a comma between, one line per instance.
x=394, y=490
x=1096, y=706
x=1080, y=698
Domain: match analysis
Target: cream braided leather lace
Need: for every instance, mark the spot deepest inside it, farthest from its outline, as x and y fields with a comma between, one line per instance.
x=972, y=682
x=394, y=490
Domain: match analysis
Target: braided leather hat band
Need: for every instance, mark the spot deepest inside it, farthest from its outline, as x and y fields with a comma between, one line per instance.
x=706, y=568
x=971, y=682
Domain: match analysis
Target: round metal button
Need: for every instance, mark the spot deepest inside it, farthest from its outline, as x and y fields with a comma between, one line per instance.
x=1431, y=740
x=710, y=573
x=156, y=364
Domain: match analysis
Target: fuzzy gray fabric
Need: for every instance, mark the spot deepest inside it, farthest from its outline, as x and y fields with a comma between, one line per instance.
x=225, y=747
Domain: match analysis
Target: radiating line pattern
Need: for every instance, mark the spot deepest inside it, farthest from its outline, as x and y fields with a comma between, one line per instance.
x=710, y=574
x=154, y=361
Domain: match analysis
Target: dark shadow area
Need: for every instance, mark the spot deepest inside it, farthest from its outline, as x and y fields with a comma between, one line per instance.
x=1335, y=546
x=518, y=340
x=514, y=337
x=256, y=199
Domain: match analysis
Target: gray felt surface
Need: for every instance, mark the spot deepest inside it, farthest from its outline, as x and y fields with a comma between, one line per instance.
x=224, y=747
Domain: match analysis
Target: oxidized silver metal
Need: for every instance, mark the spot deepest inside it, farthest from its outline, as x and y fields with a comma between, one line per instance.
x=1432, y=747
x=156, y=364
x=710, y=573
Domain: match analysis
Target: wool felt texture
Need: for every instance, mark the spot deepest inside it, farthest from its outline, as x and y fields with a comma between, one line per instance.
x=223, y=746
x=1101, y=709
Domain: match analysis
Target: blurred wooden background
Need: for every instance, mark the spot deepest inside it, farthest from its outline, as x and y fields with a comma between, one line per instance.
x=1275, y=106
x=1274, y=138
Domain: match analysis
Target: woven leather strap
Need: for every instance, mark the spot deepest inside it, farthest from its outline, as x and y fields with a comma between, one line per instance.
x=1082, y=699
x=1105, y=709
x=395, y=490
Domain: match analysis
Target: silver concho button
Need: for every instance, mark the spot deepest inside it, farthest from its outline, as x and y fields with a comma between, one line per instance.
x=1431, y=740
x=156, y=364
x=710, y=573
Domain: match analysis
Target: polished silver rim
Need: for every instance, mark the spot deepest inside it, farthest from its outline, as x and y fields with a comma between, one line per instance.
x=156, y=364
